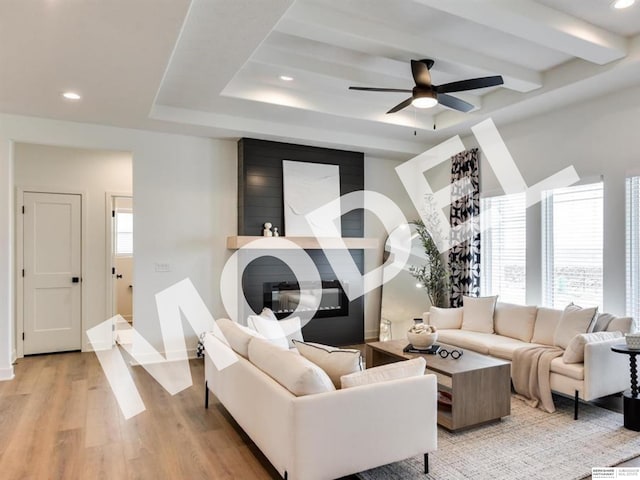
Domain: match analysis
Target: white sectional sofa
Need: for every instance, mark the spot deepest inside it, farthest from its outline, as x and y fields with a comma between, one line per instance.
x=308, y=429
x=593, y=371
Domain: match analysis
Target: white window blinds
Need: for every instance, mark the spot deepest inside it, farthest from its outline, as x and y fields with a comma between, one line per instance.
x=503, y=248
x=633, y=247
x=572, y=232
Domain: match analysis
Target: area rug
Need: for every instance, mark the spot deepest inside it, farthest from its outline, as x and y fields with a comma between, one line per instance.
x=529, y=444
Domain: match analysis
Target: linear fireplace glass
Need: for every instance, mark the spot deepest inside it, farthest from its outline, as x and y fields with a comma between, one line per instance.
x=285, y=297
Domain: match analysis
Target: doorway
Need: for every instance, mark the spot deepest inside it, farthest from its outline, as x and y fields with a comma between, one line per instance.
x=51, y=272
x=121, y=255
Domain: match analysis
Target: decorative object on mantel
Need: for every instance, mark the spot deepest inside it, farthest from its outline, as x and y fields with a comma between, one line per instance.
x=267, y=230
x=434, y=274
x=308, y=186
x=276, y=233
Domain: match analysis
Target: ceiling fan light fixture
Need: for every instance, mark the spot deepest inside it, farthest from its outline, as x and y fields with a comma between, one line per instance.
x=620, y=4
x=424, y=99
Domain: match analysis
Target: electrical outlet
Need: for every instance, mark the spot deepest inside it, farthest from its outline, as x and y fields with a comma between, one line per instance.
x=162, y=267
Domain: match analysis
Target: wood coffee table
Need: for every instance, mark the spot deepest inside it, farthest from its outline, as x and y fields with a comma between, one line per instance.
x=480, y=386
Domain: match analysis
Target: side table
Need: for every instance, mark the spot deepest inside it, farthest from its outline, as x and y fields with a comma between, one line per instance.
x=631, y=398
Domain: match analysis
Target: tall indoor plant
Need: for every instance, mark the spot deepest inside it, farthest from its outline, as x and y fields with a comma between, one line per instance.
x=434, y=274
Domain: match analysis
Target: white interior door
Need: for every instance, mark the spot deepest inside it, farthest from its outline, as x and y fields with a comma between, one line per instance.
x=52, y=269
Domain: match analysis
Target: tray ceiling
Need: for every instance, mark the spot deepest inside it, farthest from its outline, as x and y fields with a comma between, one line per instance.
x=213, y=67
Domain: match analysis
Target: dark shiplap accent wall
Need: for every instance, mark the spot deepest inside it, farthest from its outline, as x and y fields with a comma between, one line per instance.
x=260, y=199
x=260, y=193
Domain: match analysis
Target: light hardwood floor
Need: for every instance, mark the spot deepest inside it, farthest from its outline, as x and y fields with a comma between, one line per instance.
x=59, y=420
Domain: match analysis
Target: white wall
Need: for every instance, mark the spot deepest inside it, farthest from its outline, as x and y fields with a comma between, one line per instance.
x=185, y=203
x=599, y=138
x=92, y=172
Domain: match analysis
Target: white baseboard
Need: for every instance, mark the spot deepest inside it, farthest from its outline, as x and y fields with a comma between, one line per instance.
x=6, y=374
x=89, y=347
x=371, y=335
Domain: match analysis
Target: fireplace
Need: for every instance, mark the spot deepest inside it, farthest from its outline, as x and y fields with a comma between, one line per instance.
x=283, y=298
x=260, y=200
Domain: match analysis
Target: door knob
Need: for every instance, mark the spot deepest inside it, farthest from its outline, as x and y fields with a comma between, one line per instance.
x=118, y=276
x=75, y=279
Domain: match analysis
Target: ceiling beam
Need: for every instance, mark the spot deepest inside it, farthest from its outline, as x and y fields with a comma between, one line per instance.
x=270, y=129
x=353, y=74
x=335, y=55
x=202, y=63
x=540, y=24
x=322, y=24
x=353, y=106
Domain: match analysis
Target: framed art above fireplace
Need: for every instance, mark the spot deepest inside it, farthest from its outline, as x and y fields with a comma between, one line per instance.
x=308, y=186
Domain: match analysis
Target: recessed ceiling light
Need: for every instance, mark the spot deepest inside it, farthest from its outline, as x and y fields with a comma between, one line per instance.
x=286, y=78
x=620, y=4
x=71, y=96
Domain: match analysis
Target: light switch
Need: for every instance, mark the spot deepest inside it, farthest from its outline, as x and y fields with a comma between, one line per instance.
x=162, y=267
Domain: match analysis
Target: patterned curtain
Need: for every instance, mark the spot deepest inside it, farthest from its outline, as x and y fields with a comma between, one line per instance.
x=464, y=255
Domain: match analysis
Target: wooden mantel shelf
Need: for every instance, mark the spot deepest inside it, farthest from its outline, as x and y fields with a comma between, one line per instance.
x=308, y=243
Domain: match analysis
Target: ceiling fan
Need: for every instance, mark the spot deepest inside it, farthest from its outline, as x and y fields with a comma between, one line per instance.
x=427, y=95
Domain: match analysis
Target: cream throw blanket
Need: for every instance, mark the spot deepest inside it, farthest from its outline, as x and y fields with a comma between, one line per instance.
x=530, y=370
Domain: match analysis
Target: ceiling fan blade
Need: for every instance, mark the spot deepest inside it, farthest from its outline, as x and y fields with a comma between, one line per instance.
x=455, y=103
x=374, y=89
x=421, y=74
x=401, y=105
x=470, y=84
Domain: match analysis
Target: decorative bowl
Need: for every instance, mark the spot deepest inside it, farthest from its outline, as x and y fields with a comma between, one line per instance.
x=422, y=341
x=633, y=340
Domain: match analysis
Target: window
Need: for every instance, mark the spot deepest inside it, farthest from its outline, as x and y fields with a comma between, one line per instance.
x=503, y=242
x=572, y=232
x=633, y=247
x=124, y=233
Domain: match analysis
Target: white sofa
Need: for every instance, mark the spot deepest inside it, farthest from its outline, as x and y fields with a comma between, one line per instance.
x=601, y=373
x=326, y=434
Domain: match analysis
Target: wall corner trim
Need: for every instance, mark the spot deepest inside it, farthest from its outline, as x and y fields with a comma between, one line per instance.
x=6, y=374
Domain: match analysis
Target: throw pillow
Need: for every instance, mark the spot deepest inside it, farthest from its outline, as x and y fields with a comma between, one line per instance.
x=621, y=324
x=270, y=329
x=607, y=322
x=515, y=321
x=575, y=350
x=236, y=335
x=335, y=361
x=393, y=371
x=292, y=371
x=602, y=322
x=279, y=332
x=477, y=314
x=547, y=320
x=445, y=318
x=575, y=320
